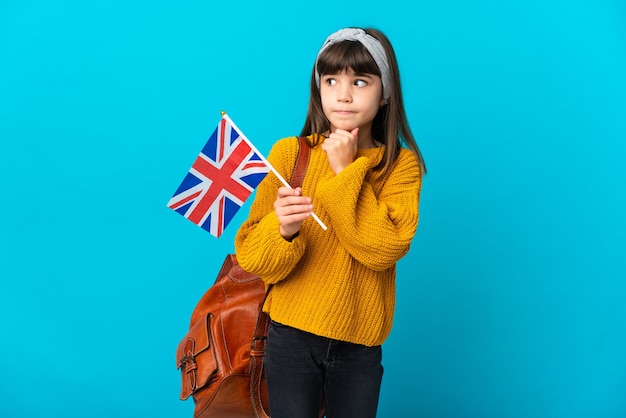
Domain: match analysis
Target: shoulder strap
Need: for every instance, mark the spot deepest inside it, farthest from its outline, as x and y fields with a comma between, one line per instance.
x=257, y=348
x=302, y=162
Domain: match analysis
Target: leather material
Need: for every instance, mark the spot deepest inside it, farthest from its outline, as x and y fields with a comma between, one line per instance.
x=221, y=357
x=215, y=355
x=302, y=162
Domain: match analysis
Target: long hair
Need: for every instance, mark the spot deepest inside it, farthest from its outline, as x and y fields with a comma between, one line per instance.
x=390, y=125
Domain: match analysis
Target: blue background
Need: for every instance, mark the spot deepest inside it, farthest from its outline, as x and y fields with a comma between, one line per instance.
x=511, y=302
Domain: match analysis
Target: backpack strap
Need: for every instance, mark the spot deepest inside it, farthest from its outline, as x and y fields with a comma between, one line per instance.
x=302, y=162
x=257, y=348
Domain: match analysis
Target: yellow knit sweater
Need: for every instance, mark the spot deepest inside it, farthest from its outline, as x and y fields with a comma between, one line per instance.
x=338, y=283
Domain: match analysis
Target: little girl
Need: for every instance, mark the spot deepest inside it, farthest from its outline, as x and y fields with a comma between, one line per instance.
x=333, y=295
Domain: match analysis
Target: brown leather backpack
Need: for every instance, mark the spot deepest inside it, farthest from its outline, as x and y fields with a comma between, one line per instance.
x=221, y=357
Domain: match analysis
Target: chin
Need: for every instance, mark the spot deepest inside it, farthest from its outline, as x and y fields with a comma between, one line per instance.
x=344, y=127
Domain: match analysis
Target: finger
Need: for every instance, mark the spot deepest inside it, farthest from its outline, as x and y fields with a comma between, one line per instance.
x=351, y=134
x=341, y=132
x=292, y=201
x=289, y=201
x=288, y=191
x=293, y=210
x=355, y=132
x=293, y=218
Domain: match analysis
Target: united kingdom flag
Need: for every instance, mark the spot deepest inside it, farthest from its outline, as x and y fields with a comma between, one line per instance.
x=225, y=173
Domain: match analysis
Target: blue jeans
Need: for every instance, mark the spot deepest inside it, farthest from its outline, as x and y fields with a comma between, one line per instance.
x=301, y=368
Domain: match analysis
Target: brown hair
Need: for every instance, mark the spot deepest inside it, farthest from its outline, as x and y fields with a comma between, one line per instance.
x=390, y=126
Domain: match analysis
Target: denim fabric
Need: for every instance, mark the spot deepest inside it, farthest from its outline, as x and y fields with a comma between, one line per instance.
x=301, y=368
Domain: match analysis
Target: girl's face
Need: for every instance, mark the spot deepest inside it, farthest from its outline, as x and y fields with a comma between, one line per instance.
x=350, y=100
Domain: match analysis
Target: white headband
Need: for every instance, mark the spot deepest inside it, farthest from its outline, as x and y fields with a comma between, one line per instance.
x=370, y=43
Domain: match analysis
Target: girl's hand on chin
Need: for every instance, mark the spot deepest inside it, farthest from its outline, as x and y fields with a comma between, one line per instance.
x=341, y=147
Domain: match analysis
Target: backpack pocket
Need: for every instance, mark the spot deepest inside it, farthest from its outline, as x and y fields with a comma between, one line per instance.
x=195, y=357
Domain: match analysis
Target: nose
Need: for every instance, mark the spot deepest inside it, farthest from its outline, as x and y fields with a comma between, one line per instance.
x=344, y=94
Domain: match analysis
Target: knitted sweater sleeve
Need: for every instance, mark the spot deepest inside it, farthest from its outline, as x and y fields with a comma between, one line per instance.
x=375, y=226
x=259, y=246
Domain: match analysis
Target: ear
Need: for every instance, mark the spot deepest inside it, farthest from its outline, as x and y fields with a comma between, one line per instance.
x=382, y=102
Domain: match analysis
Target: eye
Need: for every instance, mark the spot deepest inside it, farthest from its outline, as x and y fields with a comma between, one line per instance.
x=360, y=83
x=330, y=81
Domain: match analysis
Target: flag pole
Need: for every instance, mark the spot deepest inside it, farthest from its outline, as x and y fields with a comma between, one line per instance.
x=224, y=115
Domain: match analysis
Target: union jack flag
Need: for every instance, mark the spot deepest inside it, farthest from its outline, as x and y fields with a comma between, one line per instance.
x=225, y=173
